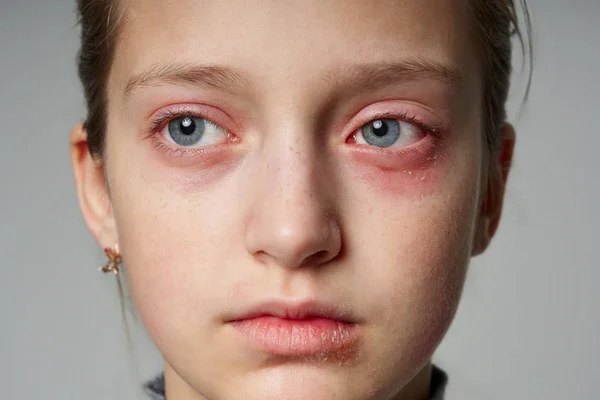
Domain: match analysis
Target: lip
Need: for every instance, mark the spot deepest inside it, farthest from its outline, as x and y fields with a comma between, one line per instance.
x=300, y=328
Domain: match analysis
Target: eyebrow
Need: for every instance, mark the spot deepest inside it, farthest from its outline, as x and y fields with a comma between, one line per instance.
x=363, y=76
x=377, y=75
x=210, y=76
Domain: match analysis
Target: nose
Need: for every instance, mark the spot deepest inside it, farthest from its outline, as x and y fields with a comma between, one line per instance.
x=293, y=220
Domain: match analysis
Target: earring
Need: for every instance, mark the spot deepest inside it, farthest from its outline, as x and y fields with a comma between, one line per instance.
x=114, y=260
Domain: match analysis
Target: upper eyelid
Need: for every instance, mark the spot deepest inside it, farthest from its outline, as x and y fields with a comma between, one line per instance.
x=178, y=113
x=394, y=108
x=403, y=116
x=159, y=118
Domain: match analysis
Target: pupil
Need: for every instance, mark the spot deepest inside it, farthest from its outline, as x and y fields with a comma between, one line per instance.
x=187, y=126
x=379, y=128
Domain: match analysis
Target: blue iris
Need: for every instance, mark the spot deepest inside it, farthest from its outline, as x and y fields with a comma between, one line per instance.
x=381, y=132
x=187, y=131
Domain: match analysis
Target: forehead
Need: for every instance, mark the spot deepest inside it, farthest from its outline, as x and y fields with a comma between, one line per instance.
x=293, y=40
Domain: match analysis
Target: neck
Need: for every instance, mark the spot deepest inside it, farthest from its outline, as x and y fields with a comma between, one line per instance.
x=417, y=389
x=176, y=388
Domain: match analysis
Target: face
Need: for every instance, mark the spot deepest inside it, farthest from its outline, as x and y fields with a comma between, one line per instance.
x=295, y=188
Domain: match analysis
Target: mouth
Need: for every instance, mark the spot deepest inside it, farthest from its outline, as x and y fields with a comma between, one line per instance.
x=299, y=329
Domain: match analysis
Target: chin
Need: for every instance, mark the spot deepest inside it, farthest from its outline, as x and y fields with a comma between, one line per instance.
x=297, y=382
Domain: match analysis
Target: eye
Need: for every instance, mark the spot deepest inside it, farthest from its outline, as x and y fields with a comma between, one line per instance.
x=188, y=131
x=389, y=133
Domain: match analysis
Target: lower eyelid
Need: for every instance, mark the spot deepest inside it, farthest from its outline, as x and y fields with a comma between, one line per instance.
x=396, y=157
x=173, y=150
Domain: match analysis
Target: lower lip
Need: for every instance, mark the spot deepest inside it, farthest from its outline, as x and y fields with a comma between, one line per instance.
x=321, y=337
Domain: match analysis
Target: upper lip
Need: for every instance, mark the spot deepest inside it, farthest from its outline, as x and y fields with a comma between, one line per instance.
x=294, y=309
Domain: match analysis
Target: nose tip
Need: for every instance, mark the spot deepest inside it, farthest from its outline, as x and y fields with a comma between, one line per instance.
x=305, y=237
x=305, y=243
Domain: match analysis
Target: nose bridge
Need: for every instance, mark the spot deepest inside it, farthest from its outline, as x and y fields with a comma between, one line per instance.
x=293, y=162
x=291, y=157
x=292, y=222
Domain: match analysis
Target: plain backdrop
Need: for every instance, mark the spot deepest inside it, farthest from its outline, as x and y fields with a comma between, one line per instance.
x=528, y=326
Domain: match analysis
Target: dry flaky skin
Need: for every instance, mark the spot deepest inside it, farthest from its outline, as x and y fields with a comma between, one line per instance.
x=306, y=342
x=291, y=208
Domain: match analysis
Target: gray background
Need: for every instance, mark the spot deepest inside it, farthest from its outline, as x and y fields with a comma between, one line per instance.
x=528, y=325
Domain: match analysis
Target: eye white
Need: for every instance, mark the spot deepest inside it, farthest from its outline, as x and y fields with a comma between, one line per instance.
x=387, y=132
x=193, y=132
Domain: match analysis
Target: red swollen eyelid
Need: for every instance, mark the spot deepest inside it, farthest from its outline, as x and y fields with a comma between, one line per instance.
x=214, y=115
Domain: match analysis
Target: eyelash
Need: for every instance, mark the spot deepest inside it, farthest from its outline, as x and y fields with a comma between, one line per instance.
x=404, y=116
x=158, y=123
x=165, y=117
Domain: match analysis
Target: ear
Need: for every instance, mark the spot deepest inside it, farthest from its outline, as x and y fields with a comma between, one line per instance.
x=499, y=163
x=92, y=189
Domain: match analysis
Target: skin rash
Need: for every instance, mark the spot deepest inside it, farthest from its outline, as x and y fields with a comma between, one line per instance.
x=286, y=201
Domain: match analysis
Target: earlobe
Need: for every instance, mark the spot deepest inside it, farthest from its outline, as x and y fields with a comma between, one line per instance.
x=499, y=165
x=481, y=240
x=92, y=189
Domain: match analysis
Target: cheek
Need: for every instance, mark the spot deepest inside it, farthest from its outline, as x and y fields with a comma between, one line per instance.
x=419, y=265
x=171, y=244
x=416, y=242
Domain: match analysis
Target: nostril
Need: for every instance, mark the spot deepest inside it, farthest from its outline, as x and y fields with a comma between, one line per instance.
x=301, y=236
x=317, y=258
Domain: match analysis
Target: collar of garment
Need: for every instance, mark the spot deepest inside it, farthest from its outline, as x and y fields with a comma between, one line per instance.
x=155, y=389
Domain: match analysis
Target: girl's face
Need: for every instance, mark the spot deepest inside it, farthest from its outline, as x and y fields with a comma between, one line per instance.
x=295, y=188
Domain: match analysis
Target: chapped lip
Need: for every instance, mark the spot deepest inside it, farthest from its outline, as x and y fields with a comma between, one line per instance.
x=295, y=310
x=309, y=329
